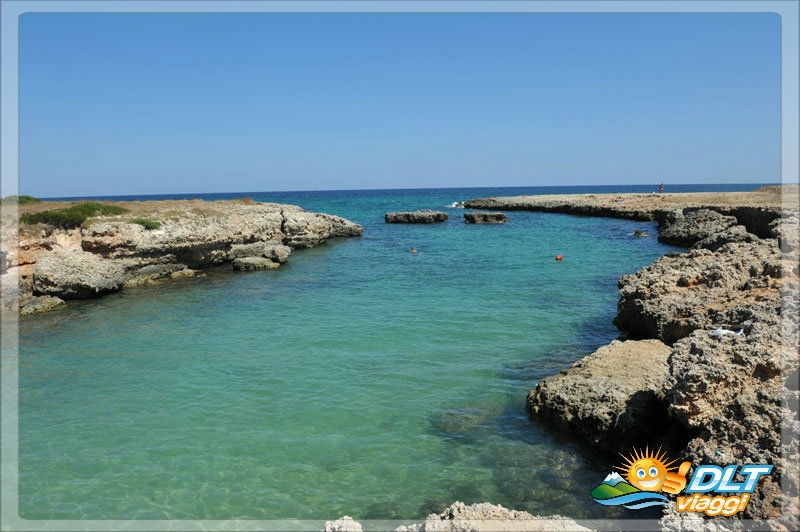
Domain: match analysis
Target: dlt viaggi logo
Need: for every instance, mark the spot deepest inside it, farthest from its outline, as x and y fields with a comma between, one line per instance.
x=647, y=473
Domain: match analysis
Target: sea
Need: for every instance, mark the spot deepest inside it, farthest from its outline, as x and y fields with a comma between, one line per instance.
x=358, y=379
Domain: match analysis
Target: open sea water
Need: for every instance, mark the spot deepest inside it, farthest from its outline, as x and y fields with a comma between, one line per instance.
x=357, y=379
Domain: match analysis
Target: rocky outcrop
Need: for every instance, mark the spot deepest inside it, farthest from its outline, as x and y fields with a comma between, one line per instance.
x=485, y=217
x=680, y=293
x=481, y=517
x=606, y=396
x=250, y=264
x=415, y=217
x=76, y=275
x=272, y=250
x=726, y=393
x=684, y=228
x=308, y=229
x=110, y=252
x=154, y=273
x=34, y=304
x=485, y=517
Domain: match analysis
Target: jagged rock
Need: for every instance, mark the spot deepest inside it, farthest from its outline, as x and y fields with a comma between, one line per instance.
x=612, y=398
x=343, y=524
x=685, y=227
x=155, y=272
x=76, y=275
x=415, y=217
x=308, y=229
x=680, y=293
x=272, y=250
x=731, y=389
x=737, y=233
x=787, y=231
x=248, y=264
x=485, y=517
x=485, y=217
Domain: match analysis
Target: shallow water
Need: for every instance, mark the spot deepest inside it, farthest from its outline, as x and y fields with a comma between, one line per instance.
x=358, y=379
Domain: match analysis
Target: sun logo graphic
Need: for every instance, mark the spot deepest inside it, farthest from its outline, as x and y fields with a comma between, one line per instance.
x=646, y=473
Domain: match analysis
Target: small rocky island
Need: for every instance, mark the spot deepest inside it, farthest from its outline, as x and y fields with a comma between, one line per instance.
x=416, y=217
x=146, y=242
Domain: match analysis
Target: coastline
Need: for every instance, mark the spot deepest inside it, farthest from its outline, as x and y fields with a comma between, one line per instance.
x=667, y=266
x=710, y=398
x=152, y=241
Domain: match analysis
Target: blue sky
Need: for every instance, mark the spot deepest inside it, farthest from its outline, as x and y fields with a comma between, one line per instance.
x=121, y=103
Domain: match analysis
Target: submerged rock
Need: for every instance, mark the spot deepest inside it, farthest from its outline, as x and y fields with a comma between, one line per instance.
x=35, y=304
x=416, y=217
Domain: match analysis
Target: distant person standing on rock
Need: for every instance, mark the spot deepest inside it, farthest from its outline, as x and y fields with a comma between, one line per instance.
x=661, y=188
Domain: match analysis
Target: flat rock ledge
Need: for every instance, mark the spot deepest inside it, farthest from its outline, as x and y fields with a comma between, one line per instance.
x=480, y=517
x=605, y=397
x=416, y=217
x=485, y=217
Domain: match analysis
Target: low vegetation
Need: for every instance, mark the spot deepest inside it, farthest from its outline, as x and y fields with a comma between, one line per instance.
x=147, y=224
x=22, y=200
x=71, y=217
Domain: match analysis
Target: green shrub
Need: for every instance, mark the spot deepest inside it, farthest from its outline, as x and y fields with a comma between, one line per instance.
x=147, y=224
x=22, y=200
x=71, y=217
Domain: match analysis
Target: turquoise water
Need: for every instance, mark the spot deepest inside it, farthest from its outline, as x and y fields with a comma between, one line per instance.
x=357, y=379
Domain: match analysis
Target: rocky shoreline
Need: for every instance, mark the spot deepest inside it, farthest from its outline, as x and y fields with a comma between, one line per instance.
x=709, y=368
x=45, y=266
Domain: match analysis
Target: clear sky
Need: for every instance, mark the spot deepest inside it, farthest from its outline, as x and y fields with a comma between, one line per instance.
x=121, y=103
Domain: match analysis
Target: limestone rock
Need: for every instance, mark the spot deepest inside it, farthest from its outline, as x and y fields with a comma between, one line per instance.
x=685, y=227
x=248, y=264
x=680, y=293
x=308, y=229
x=736, y=233
x=416, y=217
x=344, y=524
x=272, y=250
x=485, y=517
x=486, y=217
x=155, y=272
x=35, y=304
x=76, y=275
x=612, y=397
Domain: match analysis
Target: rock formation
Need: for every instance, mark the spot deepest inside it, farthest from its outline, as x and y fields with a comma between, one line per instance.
x=415, y=217
x=110, y=252
x=485, y=217
x=714, y=374
x=481, y=517
x=76, y=275
x=606, y=396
